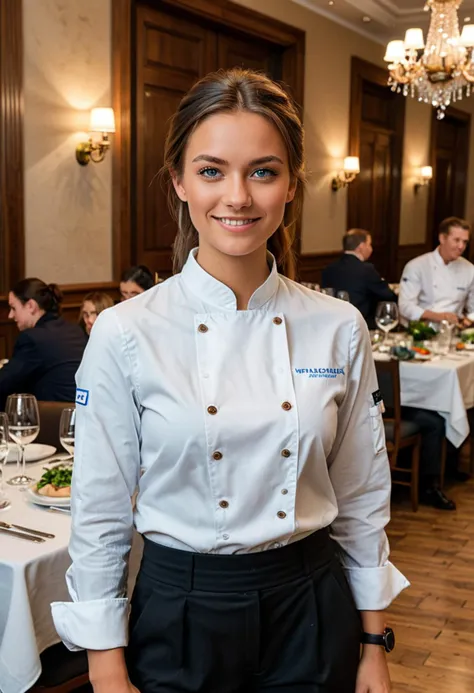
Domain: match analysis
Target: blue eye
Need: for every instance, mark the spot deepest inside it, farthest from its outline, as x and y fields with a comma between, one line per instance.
x=209, y=172
x=262, y=173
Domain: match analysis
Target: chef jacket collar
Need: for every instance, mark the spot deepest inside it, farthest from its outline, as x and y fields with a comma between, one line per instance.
x=217, y=294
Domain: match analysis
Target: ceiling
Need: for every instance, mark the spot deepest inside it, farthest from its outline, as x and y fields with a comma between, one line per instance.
x=389, y=19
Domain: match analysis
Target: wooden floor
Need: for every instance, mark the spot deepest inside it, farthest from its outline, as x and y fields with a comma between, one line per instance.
x=434, y=618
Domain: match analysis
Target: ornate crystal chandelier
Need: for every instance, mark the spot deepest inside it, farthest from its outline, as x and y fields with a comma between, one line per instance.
x=441, y=71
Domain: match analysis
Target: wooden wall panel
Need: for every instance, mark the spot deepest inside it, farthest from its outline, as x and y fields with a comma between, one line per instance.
x=12, y=245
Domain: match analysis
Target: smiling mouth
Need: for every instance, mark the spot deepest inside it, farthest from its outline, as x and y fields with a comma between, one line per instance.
x=236, y=223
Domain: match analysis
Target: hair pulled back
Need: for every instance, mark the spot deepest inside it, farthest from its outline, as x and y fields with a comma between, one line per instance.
x=48, y=296
x=226, y=91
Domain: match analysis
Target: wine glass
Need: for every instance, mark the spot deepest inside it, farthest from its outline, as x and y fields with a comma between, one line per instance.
x=343, y=295
x=386, y=318
x=4, y=439
x=23, y=419
x=67, y=427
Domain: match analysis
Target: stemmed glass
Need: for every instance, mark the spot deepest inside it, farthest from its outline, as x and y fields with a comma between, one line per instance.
x=4, y=438
x=67, y=429
x=23, y=419
x=386, y=318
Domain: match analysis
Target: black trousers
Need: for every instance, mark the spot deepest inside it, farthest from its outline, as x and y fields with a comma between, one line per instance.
x=433, y=431
x=280, y=621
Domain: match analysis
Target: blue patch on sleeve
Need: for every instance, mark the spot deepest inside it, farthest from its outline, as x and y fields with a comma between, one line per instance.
x=82, y=396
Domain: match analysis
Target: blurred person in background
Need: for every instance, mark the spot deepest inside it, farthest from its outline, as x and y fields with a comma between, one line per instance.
x=135, y=281
x=353, y=273
x=48, y=350
x=93, y=304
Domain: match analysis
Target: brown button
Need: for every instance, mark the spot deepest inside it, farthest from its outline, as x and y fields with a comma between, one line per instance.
x=212, y=410
x=217, y=455
x=286, y=406
x=281, y=514
x=285, y=453
x=224, y=504
x=203, y=328
x=277, y=321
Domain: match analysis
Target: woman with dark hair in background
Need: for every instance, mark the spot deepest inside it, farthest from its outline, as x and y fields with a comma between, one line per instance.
x=135, y=281
x=49, y=349
x=93, y=304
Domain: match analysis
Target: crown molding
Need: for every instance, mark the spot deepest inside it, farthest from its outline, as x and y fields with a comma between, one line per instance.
x=341, y=21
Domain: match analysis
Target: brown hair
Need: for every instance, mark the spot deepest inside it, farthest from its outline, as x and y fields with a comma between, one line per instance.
x=100, y=300
x=226, y=91
x=447, y=224
x=353, y=238
x=47, y=296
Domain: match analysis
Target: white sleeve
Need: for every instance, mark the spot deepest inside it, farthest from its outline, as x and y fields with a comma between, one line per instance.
x=410, y=289
x=360, y=475
x=470, y=296
x=106, y=473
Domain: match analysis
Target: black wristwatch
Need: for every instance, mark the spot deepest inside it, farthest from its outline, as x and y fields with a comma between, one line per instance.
x=386, y=640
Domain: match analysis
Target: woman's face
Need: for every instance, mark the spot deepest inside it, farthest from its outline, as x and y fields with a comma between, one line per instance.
x=129, y=290
x=89, y=315
x=236, y=182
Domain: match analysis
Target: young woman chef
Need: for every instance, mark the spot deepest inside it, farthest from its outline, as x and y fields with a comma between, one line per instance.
x=246, y=409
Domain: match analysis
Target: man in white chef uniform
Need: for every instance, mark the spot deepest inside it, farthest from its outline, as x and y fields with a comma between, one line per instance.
x=438, y=286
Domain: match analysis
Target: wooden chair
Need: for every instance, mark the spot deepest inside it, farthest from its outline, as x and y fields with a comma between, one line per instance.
x=62, y=671
x=50, y=416
x=399, y=433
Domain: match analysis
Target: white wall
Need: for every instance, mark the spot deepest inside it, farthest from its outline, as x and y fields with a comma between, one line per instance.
x=67, y=207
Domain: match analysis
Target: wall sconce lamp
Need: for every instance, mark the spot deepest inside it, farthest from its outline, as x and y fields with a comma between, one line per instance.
x=351, y=168
x=426, y=174
x=101, y=120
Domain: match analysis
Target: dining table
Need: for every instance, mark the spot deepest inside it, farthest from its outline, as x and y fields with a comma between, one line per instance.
x=444, y=384
x=32, y=575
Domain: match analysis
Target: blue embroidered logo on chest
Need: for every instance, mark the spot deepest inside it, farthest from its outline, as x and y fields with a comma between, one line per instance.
x=320, y=372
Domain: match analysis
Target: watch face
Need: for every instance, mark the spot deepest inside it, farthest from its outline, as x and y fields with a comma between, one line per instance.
x=389, y=639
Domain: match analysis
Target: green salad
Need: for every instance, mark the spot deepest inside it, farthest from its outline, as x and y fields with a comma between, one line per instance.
x=420, y=331
x=57, y=476
x=468, y=336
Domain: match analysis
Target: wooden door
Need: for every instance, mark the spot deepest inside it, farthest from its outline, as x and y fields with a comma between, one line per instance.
x=172, y=53
x=376, y=136
x=449, y=158
x=244, y=51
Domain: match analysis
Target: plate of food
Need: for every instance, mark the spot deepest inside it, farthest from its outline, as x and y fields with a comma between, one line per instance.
x=33, y=453
x=54, y=487
x=467, y=338
x=422, y=354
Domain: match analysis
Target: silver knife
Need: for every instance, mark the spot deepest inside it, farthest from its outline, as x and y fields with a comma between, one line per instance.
x=20, y=535
x=11, y=525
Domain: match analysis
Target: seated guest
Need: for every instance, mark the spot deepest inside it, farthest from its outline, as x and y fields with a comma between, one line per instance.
x=433, y=430
x=49, y=349
x=352, y=273
x=93, y=304
x=135, y=281
x=440, y=285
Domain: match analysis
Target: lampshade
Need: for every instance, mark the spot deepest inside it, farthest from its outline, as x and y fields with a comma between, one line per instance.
x=351, y=164
x=427, y=172
x=395, y=52
x=414, y=39
x=467, y=36
x=102, y=120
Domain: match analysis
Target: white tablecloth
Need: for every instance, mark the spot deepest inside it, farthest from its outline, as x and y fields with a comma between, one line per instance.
x=31, y=577
x=444, y=385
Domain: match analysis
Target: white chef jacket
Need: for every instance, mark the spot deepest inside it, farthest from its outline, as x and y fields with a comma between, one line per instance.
x=244, y=431
x=428, y=283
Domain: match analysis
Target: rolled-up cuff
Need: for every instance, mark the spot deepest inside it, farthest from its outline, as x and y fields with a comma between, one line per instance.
x=100, y=624
x=375, y=589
